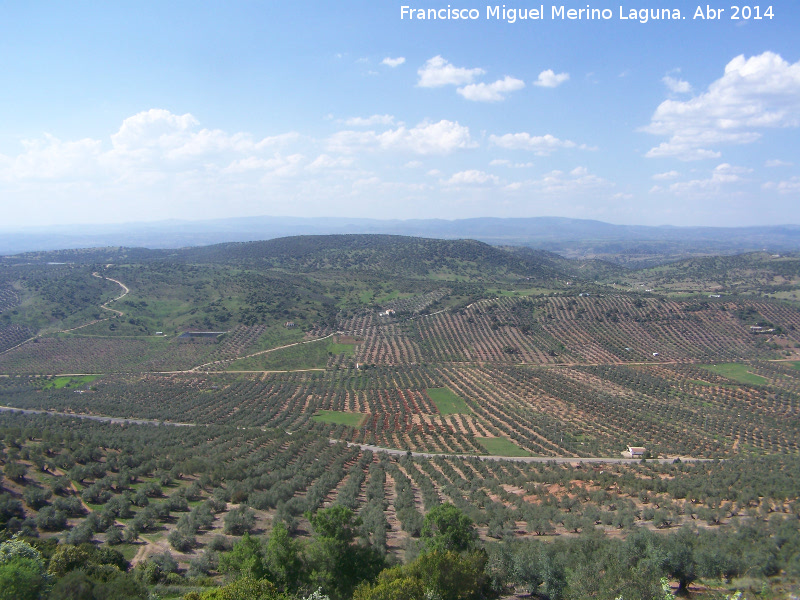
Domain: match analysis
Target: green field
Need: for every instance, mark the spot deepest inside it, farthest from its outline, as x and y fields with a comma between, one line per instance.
x=313, y=355
x=346, y=349
x=69, y=382
x=737, y=372
x=337, y=417
x=447, y=402
x=499, y=446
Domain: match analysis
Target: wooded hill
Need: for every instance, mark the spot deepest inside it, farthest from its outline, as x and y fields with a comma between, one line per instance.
x=385, y=254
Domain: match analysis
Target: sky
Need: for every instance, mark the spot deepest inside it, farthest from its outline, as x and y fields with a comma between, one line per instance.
x=114, y=112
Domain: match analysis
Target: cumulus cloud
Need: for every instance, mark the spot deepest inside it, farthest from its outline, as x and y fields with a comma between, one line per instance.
x=666, y=176
x=441, y=137
x=722, y=176
x=437, y=72
x=52, y=158
x=502, y=162
x=790, y=186
x=324, y=161
x=778, y=163
x=577, y=182
x=541, y=145
x=149, y=146
x=472, y=177
x=278, y=165
x=677, y=86
x=753, y=94
x=154, y=127
x=393, y=62
x=550, y=79
x=491, y=92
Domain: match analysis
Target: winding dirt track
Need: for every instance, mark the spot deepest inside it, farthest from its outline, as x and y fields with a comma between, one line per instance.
x=117, y=313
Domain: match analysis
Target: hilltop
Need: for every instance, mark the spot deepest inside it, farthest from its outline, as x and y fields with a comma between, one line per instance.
x=573, y=238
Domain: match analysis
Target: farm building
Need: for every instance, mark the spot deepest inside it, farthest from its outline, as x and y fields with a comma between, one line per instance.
x=636, y=451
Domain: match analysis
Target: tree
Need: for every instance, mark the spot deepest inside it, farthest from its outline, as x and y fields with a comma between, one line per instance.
x=239, y=521
x=338, y=562
x=245, y=560
x=36, y=498
x=50, y=519
x=246, y=588
x=283, y=559
x=679, y=561
x=22, y=572
x=77, y=585
x=447, y=528
x=445, y=575
x=15, y=471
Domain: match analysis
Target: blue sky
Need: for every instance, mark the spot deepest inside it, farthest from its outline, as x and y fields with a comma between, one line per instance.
x=137, y=111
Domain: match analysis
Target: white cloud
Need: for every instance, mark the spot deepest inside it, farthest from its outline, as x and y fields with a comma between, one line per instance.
x=437, y=72
x=154, y=127
x=578, y=181
x=472, y=177
x=755, y=93
x=149, y=147
x=722, y=176
x=542, y=145
x=791, y=186
x=677, y=86
x=502, y=162
x=369, y=121
x=278, y=165
x=491, y=92
x=777, y=163
x=666, y=176
x=442, y=137
x=549, y=79
x=393, y=62
x=324, y=161
x=51, y=158
x=414, y=164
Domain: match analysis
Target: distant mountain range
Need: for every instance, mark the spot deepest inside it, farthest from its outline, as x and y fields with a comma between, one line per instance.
x=625, y=244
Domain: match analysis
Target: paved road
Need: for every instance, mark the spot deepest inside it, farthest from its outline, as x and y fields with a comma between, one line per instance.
x=118, y=420
x=525, y=459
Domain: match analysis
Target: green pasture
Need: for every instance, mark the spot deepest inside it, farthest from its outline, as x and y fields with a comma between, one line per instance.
x=737, y=372
x=69, y=383
x=499, y=446
x=346, y=349
x=337, y=417
x=278, y=335
x=311, y=355
x=447, y=402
